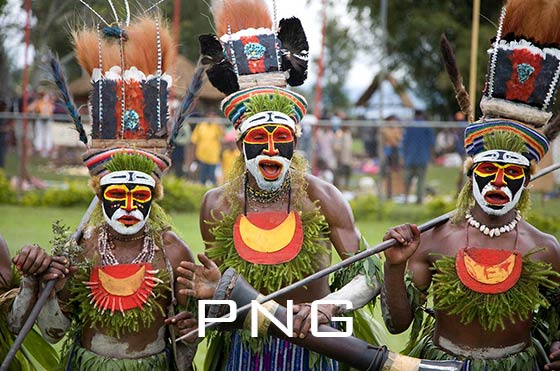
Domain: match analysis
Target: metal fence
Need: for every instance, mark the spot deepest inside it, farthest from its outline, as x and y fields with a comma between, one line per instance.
x=355, y=155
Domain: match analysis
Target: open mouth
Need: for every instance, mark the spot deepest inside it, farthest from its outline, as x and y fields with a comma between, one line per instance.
x=496, y=198
x=128, y=220
x=270, y=170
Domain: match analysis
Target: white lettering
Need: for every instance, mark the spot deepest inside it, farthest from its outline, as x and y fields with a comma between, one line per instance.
x=315, y=319
x=202, y=320
x=257, y=307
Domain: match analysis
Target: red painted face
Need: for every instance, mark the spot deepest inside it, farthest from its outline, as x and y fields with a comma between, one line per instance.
x=270, y=140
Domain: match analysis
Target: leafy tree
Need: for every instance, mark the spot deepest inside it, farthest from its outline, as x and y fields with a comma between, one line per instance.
x=195, y=19
x=414, y=28
x=340, y=52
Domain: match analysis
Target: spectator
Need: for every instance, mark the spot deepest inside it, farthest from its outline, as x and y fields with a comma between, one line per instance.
x=207, y=139
x=229, y=154
x=343, y=153
x=326, y=161
x=418, y=142
x=305, y=142
x=392, y=164
x=5, y=128
x=178, y=154
x=43, y=106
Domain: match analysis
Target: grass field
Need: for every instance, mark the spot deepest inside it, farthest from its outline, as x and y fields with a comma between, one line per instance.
x=23, y=225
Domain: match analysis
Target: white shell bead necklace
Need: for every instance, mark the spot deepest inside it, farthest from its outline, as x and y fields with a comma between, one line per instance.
x=493, y=231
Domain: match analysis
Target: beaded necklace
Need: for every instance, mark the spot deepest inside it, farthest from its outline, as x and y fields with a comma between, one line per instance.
x=106, y=247
x=266, y=197
x=495, y=231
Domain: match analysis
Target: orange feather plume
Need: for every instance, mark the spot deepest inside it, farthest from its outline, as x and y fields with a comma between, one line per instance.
x=537, y=20
x=140, y=50
x=240, y=15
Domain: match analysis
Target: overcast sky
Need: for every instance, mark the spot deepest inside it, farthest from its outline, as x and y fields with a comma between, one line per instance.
x=308, y=11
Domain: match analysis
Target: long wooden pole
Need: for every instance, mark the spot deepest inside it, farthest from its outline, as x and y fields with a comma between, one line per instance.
x=474, y=54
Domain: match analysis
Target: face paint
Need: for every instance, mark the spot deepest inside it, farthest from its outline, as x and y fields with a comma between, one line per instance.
x=268, y=152
x=498, y=187
x=126, y=207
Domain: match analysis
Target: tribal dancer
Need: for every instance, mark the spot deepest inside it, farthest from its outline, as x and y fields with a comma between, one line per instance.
x=116, y=304
x=272, y=221
x=17, y=297
x=490, y=273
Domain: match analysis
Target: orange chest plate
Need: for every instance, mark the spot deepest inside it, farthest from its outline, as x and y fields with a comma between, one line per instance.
x=271, y=237
x=488, y=271
x=121, y=287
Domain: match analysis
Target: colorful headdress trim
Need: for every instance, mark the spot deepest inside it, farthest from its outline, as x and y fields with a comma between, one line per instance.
x=498, y=155
x=96, y=160
x=536, y=143
x=234, y=107
x=128, y=176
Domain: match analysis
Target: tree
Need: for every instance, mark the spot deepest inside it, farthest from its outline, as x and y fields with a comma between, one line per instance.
x=340, y=52
x=414, y=28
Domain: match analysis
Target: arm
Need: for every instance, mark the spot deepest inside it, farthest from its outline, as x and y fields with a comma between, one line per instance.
x=5, y=269
x=397, y=309
x=35, y=265
x=346, y=240
x=553, y=257
x=344, y=235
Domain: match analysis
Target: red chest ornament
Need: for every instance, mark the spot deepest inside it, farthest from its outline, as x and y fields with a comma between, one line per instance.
x=121, y=287
x=488, y=271
x=271, y=237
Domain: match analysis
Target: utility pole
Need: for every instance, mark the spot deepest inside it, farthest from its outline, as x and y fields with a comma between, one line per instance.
x=318, y=87
x=382, y=77
x=24, y=142
x=474, y=55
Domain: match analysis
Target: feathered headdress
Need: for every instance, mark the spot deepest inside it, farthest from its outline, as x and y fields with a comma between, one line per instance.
x=249, y=51
x=521, y=85
x=128, y=61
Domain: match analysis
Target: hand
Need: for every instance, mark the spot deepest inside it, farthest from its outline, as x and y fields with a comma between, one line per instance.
x=200, y=280
x=59, y=270
x=184, y=323
x=554, y=357
x=31, y=260
x=408, y=240
x=302, y=318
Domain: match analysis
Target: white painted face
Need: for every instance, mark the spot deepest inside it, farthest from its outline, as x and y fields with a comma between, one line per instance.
x=497, y=187
x=255, y=167
x=127, y=199
x=268, y=152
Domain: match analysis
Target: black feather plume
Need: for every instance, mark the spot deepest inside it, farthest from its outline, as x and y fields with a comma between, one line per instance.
x=60, y=81
x=552, y=130
x=220, y=71
x=187, y=104
x=456, y=79
x=294, y=50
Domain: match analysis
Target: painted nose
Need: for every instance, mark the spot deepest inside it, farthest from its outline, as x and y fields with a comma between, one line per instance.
x=499, y=180
x=270, y=149
x=129, y=203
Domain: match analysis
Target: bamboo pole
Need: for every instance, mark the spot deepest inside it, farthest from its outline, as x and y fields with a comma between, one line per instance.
x=474, y=54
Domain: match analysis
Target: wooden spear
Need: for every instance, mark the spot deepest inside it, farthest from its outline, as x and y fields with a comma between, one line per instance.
x=351, y=260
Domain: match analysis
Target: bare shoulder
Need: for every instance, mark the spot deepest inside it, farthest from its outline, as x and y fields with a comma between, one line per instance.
x=212, y=200
x=328, y=196
x=175, y=248
x=536, y=238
